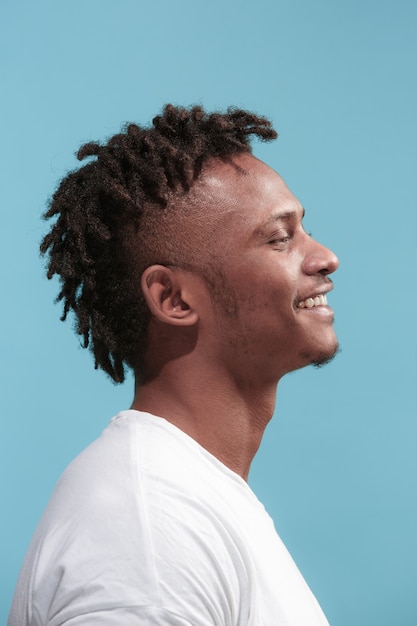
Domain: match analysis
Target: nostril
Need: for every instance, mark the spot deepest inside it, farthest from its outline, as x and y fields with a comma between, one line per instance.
x=321, y=261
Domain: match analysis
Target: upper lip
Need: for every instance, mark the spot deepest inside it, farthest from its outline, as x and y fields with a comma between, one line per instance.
x=320, y=292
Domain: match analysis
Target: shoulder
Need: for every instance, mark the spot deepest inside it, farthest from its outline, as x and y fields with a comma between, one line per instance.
x=142, y=518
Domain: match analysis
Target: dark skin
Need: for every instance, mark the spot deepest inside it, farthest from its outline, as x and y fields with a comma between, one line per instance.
x=213, y=364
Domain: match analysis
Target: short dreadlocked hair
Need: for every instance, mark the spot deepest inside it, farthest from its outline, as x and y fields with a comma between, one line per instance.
x=119, y=197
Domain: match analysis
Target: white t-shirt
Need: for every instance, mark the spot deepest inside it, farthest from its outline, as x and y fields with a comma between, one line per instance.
x=146, y=527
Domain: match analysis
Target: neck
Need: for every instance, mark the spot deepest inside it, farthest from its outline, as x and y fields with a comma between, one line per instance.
x=225, y=418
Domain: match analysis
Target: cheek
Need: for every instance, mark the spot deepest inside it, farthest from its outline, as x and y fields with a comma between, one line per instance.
x=255, y=286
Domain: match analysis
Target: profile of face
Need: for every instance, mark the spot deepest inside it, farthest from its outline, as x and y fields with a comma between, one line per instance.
x=268, y=314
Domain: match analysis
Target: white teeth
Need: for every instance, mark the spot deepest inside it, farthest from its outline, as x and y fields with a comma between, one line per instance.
x=311, y=302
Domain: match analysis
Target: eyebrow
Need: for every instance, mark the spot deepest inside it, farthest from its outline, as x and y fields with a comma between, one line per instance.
x=278, y=216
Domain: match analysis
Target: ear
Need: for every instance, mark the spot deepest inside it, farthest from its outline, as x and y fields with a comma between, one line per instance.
x=165, y=292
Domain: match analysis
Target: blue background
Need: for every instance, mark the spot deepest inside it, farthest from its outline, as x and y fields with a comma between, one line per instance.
x=338, y=465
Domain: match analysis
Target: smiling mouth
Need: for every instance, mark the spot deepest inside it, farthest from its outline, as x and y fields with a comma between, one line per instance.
x=309, y=303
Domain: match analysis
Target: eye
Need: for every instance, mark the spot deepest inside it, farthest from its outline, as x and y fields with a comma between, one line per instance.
x=278, y=240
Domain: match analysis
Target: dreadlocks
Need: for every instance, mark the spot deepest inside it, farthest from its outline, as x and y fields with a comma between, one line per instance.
x=122, y=193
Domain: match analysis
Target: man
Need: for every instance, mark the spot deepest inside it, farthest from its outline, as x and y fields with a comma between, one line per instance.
x=184, y=258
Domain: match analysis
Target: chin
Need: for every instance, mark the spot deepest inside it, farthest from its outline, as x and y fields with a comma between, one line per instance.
x=324, y=359
x=319, y=359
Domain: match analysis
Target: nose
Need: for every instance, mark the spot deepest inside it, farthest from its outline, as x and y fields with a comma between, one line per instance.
x=320, y=260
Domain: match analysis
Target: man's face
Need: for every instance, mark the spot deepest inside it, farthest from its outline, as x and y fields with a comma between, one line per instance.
x=268, y=313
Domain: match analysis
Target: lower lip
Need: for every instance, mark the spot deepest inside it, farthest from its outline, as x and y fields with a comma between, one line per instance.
x=322, y=310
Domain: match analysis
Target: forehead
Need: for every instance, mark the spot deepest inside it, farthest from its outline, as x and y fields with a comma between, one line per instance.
x=246, y=191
